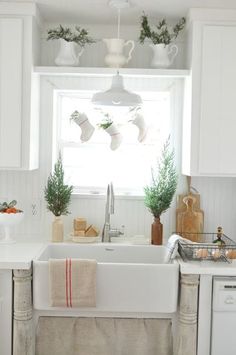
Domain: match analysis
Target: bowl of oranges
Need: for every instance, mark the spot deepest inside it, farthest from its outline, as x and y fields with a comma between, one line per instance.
x=10, y=216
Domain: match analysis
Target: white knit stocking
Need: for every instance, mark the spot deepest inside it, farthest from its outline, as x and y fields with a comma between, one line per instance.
x=140, y=123
x=116, y=137
x=87, y=128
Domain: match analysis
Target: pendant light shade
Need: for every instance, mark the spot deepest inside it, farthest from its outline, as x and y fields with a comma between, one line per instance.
x=117, y=95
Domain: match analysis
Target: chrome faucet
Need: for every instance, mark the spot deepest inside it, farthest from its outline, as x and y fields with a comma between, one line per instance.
x=110, y=201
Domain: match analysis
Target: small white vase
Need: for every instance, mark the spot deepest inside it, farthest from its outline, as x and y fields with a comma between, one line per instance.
x=115, y=57
x=67, y=54
x=163, y=55
x=57, y=230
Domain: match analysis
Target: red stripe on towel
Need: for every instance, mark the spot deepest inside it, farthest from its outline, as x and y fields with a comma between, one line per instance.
x=67, y=299
x=70, y=281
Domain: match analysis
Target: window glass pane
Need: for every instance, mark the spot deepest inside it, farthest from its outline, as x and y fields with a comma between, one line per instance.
x=92, y=164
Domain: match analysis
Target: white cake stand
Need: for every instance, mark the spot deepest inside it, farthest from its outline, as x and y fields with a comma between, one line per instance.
x=8, y=220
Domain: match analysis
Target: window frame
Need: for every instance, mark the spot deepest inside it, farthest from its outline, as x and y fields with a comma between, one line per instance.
x=55, y=84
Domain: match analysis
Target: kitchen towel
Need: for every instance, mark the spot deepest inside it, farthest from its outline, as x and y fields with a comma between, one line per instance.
x=172, y=246
x=72, y=282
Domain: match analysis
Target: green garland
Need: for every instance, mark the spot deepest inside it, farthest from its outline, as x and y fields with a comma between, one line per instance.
x=159, y=194
x=56, y=193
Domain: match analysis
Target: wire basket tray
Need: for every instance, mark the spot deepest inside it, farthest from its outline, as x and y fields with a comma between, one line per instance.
x=205, y=249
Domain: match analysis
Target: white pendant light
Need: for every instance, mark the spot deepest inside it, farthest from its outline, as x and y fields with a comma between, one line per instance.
x=117, y=95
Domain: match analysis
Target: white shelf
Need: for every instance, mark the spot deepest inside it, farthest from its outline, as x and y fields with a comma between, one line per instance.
x=101, y=71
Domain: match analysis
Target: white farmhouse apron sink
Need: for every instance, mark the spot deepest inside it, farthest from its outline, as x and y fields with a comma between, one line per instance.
x=130, y=278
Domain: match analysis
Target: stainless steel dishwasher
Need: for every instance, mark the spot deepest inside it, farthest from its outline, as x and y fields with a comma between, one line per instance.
x=223, y=333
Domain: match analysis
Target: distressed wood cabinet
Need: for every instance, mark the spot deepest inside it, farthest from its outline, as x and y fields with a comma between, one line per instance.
x=5, y=312
x=209, y=123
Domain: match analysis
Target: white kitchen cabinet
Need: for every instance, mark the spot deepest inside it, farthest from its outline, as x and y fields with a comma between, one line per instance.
x=19, y=87
x=209, y=124
x=5, y=312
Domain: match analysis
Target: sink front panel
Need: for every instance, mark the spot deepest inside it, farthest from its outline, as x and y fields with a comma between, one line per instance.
x=129, y=278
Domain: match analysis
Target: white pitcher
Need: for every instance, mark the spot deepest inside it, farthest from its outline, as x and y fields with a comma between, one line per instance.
x=115, y=57
x=67, y=54
x=163, y=55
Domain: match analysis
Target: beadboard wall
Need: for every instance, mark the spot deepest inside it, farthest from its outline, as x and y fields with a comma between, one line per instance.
x=218, y=195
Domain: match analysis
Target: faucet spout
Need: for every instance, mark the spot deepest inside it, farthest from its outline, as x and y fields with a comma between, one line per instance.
x=110, y=207
x=112, y=199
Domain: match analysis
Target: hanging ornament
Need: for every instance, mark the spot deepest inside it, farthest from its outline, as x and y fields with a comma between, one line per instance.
x=86, y=127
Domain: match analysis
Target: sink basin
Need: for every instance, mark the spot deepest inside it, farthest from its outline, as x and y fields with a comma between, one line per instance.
x=130, y=278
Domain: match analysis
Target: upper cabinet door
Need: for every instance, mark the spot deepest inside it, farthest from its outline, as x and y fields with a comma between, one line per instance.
x=209, y=122
x=11, y=56
x=217, y=140
x=19, y=86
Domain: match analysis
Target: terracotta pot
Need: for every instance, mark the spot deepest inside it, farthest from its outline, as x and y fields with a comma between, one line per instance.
x=157, y=231
x=57, y=230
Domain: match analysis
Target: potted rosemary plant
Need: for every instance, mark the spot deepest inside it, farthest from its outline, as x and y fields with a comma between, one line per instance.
x=69, y=40
x=161, y=37
x=159, y=194
x=57, y=195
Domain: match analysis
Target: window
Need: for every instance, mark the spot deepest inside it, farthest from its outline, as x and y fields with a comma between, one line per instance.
x=91, y=165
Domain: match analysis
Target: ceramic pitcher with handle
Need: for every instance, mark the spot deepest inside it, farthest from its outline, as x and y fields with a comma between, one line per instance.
x=67, y=54
x=163, y=55
x=115, y=57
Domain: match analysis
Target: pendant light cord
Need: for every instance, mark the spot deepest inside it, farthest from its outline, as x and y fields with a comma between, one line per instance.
x=118, y=32
x=118, y=26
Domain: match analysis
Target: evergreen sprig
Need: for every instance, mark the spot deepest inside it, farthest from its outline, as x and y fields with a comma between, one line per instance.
x=56, y=193
x=159, y=194
x=79, y=36
x=106, y=122
x=162, y=34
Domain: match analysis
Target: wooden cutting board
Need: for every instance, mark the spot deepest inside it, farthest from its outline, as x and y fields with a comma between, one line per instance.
x=190, y=220
x=181, y=206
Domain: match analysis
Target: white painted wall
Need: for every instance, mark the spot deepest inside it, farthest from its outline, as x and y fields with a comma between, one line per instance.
x=218, y=195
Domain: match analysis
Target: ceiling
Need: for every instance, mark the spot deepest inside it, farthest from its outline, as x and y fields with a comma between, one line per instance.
x=98, y=11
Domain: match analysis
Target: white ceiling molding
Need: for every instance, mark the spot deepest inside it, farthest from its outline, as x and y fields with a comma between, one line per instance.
x=99, y=11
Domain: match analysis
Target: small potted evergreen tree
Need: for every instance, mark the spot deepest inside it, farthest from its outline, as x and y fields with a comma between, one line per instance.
x=57, y=195
x=159, y=194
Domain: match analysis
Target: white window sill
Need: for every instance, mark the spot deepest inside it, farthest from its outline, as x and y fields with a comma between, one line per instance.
x=102, y=196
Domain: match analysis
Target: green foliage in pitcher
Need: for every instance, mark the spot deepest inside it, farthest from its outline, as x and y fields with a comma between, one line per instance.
x=160, y=33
